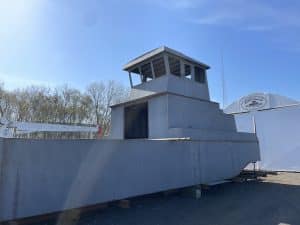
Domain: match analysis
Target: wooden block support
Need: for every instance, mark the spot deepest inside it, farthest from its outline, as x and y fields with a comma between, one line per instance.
x=205, y=187
x=238, y=179
x=124, y=204
x=193, y=192
x=69, y=217
x=170, y=192
x=94, y=207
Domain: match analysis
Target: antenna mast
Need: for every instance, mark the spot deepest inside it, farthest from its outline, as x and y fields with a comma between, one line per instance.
x=223, y=79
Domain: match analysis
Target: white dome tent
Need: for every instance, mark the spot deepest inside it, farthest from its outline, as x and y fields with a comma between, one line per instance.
x=276, y=121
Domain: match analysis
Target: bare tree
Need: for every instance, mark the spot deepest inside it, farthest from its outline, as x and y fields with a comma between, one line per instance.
x=104, y=95
x=7, y=104
x=2, y=92
x=96, y=92
x=62, y=105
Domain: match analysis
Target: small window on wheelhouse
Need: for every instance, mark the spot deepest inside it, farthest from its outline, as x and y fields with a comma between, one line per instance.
x=199, y=75
x=187, y=71
x=174, y=64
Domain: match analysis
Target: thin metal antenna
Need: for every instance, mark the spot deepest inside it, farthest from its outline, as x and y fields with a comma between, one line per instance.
x=223, y=79
x=254, y=124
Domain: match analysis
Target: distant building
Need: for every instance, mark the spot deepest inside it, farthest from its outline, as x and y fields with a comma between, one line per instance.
x=276, y=120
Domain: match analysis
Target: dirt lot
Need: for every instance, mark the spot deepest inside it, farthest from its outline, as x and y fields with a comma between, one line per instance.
x=274, y=200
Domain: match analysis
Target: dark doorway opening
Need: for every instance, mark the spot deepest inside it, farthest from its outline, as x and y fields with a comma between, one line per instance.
x=136, y=121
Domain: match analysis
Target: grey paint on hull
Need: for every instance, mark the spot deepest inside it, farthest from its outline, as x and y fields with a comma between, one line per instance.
x=43, y=176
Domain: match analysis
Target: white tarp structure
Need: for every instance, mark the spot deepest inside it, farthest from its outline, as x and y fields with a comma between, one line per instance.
x=276, y=120
x=8, y=129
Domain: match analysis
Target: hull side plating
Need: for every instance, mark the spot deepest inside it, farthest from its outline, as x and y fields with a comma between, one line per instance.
x=44, y=176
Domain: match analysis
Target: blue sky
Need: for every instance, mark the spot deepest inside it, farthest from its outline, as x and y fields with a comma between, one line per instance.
x=56, y=42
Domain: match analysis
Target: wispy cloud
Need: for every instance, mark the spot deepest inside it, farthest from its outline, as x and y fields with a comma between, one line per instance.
x=256, y=15
x=220, y=18
x=275, y=18
x=260, y=28
x=178, y=4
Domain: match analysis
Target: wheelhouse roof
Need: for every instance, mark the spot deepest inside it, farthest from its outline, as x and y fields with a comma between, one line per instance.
x=131, y=64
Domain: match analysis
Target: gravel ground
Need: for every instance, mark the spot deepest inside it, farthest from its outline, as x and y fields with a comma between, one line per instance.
x=273, y=200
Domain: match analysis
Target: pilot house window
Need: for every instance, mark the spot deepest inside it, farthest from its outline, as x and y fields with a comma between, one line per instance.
x=199, y=75
x=159, y=67
x=187, y=71
x=174, y=66
x=146, y=72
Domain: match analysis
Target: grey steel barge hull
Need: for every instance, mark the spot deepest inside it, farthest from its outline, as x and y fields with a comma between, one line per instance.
x=44, y=176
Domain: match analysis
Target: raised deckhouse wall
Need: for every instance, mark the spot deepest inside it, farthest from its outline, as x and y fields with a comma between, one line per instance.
x=177, y=116
x=171, y=84
x=174, y=89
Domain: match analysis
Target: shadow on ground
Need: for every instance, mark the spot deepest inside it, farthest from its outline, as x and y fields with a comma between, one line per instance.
x=247, y=203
